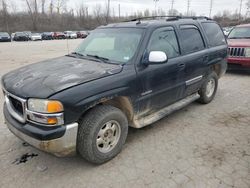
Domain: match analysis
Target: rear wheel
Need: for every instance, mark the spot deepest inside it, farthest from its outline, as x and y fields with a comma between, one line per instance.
x=102, y=134
x=208, y=89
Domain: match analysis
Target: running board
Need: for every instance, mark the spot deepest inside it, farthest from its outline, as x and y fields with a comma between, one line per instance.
x=142, y=122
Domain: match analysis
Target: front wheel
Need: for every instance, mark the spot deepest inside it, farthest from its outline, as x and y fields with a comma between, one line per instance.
x=102, y=134
x=208, y=89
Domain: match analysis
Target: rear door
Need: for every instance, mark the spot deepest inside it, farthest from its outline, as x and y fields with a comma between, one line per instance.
x=195, y=56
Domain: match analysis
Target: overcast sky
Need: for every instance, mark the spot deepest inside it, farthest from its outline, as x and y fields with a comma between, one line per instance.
x=201, y=7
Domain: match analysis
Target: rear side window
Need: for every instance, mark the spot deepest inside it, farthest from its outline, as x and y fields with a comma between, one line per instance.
x=192, y=40
x=214, y=34
x=164, y=39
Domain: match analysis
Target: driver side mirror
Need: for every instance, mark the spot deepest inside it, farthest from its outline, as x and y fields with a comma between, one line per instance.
x=157, y=57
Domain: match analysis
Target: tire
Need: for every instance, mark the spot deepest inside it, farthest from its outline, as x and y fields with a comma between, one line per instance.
x=96, y=125
x=208, y=91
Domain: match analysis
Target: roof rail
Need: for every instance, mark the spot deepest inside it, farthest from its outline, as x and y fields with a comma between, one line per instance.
x=169, y=18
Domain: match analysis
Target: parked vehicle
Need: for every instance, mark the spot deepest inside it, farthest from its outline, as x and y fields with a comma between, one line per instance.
x=123, y=74
x=28, y=33
x=21, y=36
x=59, y=35
x=70, y=34
x=47, y=36
x=82, y=34
x=4, y=37
x=36, y=36
x=239, y=47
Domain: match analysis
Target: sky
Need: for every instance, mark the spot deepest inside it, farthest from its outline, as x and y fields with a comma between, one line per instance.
x=201, y=7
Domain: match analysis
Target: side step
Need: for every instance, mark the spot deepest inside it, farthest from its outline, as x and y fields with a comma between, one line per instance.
x=166, y=111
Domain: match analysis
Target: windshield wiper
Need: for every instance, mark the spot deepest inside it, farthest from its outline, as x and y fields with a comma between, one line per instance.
x=103, y=59
x=76, y=53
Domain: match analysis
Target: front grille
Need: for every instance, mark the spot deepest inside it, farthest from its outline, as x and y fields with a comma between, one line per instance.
x=17, y=105
x=236, y=52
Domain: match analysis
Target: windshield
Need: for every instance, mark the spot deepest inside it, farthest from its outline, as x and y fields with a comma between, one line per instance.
x=240, y=32
x=4, y=34
x=115, y=44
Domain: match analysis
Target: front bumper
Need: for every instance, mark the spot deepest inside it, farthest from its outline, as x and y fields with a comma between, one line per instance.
x=64, y=145
x=238, y=61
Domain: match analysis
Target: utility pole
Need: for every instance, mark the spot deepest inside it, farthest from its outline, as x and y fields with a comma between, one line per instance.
x=108, y=8
x=172, y=5
x=240, y=10
x=211, y=7
x=188, y=6
x=119, y=10
x=155, y=6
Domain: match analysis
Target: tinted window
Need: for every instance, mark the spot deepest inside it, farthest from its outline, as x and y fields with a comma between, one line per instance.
x=214, y=34
x=164, y=39
x=191, y=39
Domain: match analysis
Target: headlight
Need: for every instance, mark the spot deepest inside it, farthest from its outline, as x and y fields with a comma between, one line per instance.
x=247, y=52
x=48, y=112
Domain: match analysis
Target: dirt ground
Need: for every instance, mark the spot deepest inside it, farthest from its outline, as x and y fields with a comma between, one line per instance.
x=198, y=146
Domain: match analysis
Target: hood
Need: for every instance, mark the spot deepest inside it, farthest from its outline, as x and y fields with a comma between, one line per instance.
x=238, y=42
x=46, y=78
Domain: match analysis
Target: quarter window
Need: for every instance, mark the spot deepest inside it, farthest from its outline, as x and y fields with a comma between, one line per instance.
x=164, y=39
x=192, y=40
x=214, y=34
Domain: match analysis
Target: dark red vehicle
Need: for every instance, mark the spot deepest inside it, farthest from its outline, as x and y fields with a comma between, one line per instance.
x=59, y=35
x=82, y=34
x=239, y=47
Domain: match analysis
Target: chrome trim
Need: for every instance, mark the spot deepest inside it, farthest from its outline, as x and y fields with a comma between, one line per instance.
x=237, y=51
x=194, y=80
x=147, y=120
x=146, y=92
x=63, y=146
x=59, y=117
x=20, y=117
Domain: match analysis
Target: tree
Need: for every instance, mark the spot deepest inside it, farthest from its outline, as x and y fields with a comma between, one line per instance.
x=33, y=12
x=60, y=5
x=43, y=2
x=5, y=14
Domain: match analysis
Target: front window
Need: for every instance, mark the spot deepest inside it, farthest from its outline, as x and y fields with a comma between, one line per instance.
x=240, y=33
x=115, y=44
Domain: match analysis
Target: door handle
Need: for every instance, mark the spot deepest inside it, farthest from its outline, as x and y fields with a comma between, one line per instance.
x=181, y=65
x=205, y=58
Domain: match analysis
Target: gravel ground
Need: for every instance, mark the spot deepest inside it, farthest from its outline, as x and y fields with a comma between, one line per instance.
x=198, y=146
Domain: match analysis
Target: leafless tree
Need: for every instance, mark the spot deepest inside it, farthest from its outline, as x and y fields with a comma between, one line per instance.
x=43, y=2
x=5, y=14
x=60, y=5
x=33, y=12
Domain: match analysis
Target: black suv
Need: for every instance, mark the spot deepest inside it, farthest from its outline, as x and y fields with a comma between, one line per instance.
x=124, y=74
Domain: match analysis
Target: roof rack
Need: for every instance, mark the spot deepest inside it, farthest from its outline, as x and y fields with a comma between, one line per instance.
x=169, y=18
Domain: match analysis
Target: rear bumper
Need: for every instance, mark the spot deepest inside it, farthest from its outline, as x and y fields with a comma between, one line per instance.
x=64, y=145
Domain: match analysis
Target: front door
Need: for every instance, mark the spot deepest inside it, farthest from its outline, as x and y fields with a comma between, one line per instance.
x=163, y=84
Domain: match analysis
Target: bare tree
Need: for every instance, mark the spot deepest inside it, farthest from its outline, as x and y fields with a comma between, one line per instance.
x=43, y=2
x=5, y=14
x=60, y=5
x=33, y=12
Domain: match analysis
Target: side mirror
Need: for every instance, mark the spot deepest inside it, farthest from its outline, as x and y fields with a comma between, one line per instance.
x=157, y=57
